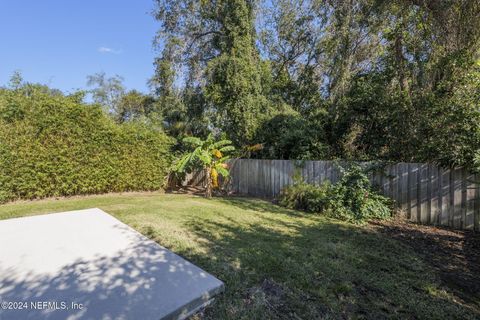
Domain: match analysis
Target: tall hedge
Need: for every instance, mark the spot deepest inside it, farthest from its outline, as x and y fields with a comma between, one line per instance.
x=54, y=145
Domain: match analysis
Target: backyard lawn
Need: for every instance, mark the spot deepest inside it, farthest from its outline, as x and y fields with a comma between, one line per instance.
x=282, y=264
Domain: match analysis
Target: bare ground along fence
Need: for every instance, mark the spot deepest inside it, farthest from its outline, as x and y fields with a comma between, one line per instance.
x=426, y=193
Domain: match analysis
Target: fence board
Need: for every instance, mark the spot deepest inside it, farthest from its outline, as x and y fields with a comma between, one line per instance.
x=276, y=177
x=476, y=215
x=405, y=187
x=316, y=172
x=283, y=170
x=410, y=201
x=470, y=211
x=457, y=199
x=386, y=180
x=328, y=171
x=399, y=196
x=393, y=182
x=245, y=174
x=266, y=178
x=334, y=172
x=423, y=197
x=258, y=178
x=290, y=172
x=433, y=195
x=445, y=196
x=251, y=176
x=464, y=199
x=378, y=179
x=418, y=195
x=311, y=172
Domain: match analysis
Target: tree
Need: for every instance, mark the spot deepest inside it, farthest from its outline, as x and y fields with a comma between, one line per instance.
x=208, y=155
x=213, y=43
x=291, y=136
x=123, y=105
x=133, y=105
x=234, y=82
x=107, y=91
x=16, y=80
x=383, y=74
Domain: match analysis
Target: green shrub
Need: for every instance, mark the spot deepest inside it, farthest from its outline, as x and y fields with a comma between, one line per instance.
x=351, y=198
x=54, y=145
x=306, y=197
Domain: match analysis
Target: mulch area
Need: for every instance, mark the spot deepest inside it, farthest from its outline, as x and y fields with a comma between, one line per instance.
x=454, y=254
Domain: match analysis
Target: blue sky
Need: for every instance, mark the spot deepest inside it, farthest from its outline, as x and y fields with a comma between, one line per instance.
x=60, y=42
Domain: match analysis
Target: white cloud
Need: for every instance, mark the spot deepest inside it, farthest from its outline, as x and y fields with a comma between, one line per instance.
x=109, y=50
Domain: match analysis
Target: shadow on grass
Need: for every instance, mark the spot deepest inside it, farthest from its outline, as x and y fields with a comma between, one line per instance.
x=299, y=268
x=454, y=254
x=259, y=205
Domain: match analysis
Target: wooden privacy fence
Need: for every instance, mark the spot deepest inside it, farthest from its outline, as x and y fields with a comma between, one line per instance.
x=426, y=193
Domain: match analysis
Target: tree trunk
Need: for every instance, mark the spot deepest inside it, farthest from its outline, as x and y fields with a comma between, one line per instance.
x=400, y=61
x=208, y=186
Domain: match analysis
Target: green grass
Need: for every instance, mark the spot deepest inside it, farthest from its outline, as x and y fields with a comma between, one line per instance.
x=278, y=263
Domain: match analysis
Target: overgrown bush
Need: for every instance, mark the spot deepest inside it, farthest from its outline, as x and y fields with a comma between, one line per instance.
x=306, y=197
x=352, y=198
x=54, y=145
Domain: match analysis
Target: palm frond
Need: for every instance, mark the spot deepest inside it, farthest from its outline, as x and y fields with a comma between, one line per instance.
x=222, y=171
x=227, y=148
x=193, y=141
x=204, y=156
x=181, y=165
x=221, y=143
x=223, y=159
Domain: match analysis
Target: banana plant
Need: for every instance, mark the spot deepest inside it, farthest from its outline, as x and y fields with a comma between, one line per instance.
x=208, y=155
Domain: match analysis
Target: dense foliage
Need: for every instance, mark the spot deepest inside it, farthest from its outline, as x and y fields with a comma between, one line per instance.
x=352, y=198
x=307, y=197
x=54, y=145
x=354, y=79
x=122, y=105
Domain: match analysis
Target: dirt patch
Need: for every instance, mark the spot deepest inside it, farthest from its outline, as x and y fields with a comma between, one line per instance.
x=454, y=254
x=278, y=299
x=274, y=293
x=269, y=293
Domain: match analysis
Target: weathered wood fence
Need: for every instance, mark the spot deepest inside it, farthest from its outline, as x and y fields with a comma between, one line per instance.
x=426, y=193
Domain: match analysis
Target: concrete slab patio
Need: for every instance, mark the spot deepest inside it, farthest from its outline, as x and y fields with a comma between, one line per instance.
x=88, y=265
